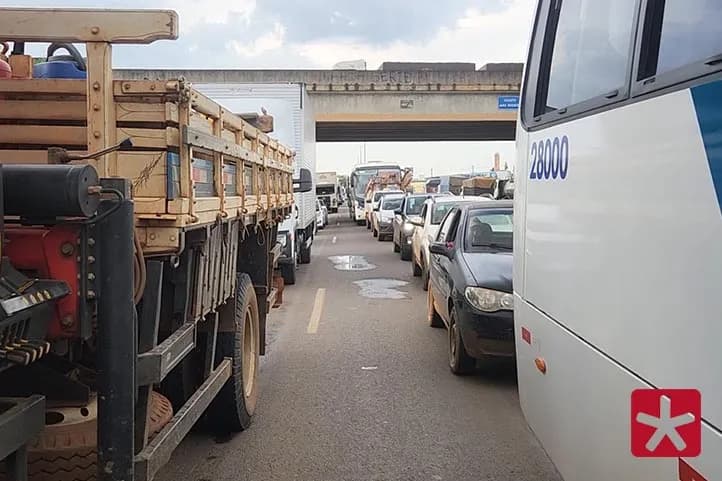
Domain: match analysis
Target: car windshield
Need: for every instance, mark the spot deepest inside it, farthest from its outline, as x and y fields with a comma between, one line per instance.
x=489, y=229
x=414, y=205
x=391, y=203
x=440, y=210
x=377, y=196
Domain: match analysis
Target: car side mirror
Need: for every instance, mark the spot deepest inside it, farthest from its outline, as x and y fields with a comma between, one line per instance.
x=377, y=208
x=304, y=183
x=397, y=212
x=441, y=248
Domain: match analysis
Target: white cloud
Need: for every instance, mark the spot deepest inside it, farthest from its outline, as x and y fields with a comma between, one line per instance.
x=478, y=37
x=265, y=43
x=194, y=13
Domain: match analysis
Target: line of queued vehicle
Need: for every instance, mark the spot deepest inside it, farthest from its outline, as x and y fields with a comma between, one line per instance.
x=461, y=248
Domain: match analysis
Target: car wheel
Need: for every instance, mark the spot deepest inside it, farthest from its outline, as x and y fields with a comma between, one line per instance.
x=432, y=315
x=415, y=267
x=424, y=275
x=459, y=360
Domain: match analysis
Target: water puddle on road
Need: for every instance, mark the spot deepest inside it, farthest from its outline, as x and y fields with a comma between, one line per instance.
x=351, y=263
x=382, y=288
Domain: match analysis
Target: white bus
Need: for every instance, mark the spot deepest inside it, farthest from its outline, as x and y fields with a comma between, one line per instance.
x=618, y=234
x=359, y=180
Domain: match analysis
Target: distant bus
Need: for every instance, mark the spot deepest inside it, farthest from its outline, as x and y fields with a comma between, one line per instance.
x=618, y=237
x=360, y=177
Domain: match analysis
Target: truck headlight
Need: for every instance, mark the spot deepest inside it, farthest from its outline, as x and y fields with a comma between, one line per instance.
x=488, y=300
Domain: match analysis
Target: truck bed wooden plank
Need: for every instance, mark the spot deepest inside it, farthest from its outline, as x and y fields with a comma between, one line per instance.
x=65, y=110
x=151, y=138
x=161, y=113
x=34, y=87
x=46, y=135
x=88, y=25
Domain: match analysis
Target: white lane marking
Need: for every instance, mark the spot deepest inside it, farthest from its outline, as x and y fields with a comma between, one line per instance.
x=317, y=310
x=369, y=368
x=333, y=241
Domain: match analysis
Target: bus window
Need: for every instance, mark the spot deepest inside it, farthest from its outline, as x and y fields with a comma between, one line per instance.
x=591, y=50
x=689, y=34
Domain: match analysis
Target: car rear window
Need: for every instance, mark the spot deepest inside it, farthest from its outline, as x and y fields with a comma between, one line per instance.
x=391, y=203
x=487, y=228
x=440, y=210
x=414, y=205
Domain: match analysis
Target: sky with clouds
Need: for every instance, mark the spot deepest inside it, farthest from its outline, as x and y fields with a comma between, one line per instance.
x=320, y=33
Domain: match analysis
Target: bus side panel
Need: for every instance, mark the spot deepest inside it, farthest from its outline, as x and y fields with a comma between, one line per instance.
x=624, y=250
x=521, y=175
x=576, y=412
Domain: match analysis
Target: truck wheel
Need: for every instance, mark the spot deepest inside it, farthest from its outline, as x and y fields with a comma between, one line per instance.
x=288, y=272
x=459, y=360
x=232, y=409
x=405, y=252
x=305, y=257
x=67, y=449
x=432, y=315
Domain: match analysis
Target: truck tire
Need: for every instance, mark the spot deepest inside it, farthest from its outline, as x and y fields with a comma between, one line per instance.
x=232, y=409
x=67, y=449
x=288, y=272
x=305, y=255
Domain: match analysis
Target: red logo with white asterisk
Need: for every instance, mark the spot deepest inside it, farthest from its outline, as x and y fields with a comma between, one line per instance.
x=666, y=423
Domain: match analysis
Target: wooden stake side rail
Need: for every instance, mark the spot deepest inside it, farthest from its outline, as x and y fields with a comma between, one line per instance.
x=192, y=163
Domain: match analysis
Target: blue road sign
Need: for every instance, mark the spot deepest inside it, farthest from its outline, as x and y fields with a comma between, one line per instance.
x=508, y=102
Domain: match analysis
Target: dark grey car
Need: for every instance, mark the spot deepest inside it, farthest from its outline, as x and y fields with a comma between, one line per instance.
x=403, y=228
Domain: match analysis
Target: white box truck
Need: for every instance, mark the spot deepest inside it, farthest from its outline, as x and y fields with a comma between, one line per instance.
x=294, y=125
x=327, y=190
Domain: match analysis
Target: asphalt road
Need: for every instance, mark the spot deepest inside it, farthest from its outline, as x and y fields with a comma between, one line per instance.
x=355, y=386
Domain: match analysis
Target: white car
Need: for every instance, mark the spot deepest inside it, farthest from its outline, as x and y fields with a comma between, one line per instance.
x=321, y=215
x=427, y=227
x=382, y=217
x=372, y=203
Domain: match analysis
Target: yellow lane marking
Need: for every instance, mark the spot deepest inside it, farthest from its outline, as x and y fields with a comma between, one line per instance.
x=317, y=310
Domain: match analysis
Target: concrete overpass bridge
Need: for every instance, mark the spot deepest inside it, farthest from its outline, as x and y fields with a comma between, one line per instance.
x=380, y=105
